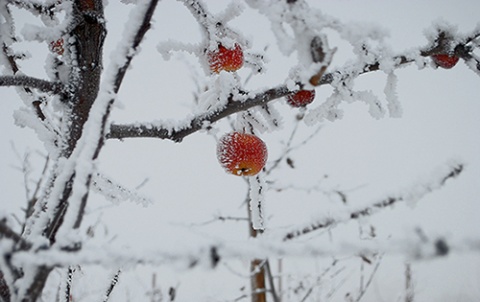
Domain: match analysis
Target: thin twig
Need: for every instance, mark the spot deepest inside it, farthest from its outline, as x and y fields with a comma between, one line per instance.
x=68, y=288
x=113, y=283
x=268, y=272
x=369, y=281
x=374, y=208
x=409, y=290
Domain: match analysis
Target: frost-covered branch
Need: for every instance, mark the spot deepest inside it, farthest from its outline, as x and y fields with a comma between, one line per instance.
x=31, y=82
x=33, y=6
x=115, y=192
x=411, y=247
x=196, y=123
x=340, y=75
x=7, y=232
x=413, y=194
x=113, y=283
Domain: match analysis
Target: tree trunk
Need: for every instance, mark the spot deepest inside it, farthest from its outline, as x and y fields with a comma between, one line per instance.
x=257, y=269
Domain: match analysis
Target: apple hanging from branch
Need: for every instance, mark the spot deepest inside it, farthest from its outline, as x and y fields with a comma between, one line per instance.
x=242, y=154
x=223, y=58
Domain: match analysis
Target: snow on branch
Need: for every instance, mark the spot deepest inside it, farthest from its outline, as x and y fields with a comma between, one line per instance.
x=30, y=82
x=7, y=232
x=412, y=194
x=34, y=6
x=257, y=202
x=196, y=123
x=81, y=163
x=413, y=247
x=116, y=192
x=334, y=77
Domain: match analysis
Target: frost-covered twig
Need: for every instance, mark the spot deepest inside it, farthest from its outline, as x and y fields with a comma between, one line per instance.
x=113, y=283
x=31, y=82
x=33, y=6
x=115, y=192
x=257, y=202
x=363, y=290
x=7, y=232
x=68, y=286
x=451, y=171
x=409, y=287
x=289, y=148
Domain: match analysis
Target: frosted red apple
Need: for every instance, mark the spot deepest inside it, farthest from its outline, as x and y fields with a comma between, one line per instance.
x=57, y=46
x=445, y=61
x=228, y=59
x=241, y=154
x=301, y=98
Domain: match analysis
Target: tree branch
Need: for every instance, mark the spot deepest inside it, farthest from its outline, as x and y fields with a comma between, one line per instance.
x=197, y=123
x=262, y=98
x=113, y=283
x=7, y=232
x=31, y=82
x=453, y=172
x=35, y=8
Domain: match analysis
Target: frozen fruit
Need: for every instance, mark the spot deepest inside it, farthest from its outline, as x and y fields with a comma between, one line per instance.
x=228, y=59
x=241, y=154
x=445, y=60
x=301, y=98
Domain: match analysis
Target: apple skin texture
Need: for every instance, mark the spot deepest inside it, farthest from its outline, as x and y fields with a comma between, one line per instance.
x=225, y=59
x=445, y=61
x=301, y=98
x=57, y=46
x=241, y=154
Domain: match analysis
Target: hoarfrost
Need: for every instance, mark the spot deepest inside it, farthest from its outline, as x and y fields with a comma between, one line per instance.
x=376, y=109
x=327, y=110
x=233, y=10
x=25, y=118
x=257, y=201
x=219, y=89
x=165, y=48
x=394, y=106
x=115, y=192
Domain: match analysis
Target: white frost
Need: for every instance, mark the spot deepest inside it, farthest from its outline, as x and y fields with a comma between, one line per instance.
x=394, y=106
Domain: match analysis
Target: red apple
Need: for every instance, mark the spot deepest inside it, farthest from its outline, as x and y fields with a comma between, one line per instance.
x=301, y=98
x=241, y=154
x=445, y=60
x=228, y=59
x=57, y=46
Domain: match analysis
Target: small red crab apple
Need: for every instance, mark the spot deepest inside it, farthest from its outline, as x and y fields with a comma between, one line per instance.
x=301, y=98
x=228, y=59
x=241, y=154
x=445, y=61
x=57, y=46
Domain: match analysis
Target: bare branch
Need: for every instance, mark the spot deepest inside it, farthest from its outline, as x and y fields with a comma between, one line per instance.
x=369, y=281
x=31, y=82
x=453, y=172
x=409, y=288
